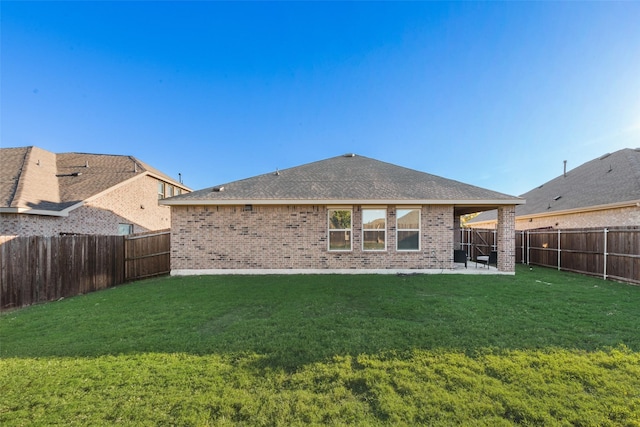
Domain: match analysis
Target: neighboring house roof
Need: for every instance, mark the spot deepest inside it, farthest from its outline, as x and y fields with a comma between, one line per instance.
x=33, y=180
x=347, y=178
x=610, y=180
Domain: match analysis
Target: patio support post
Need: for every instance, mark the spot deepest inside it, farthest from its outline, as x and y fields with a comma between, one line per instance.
x=457, y=240
x=506, y=236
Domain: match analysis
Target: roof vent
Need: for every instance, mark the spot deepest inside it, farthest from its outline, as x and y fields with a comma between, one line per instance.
x=605, y=156
x=219, y=189
x=350, y=155
x=86, y=164
x=610, y=168
x=277, y=172
x=557, y=198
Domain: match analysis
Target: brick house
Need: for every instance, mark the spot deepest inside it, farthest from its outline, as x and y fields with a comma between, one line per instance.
x=603, y=192
x=44, y=193
x=344, y=214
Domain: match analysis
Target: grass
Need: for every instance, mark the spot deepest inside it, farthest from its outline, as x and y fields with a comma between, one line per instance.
x=539, y=348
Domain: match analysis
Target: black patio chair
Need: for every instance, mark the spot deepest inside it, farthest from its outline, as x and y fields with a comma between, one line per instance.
x=460, y=256
x=488, y=260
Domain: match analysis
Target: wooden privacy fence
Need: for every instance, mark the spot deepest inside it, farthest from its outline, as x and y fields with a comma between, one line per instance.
x=147, y=254
x=610, y=253
x=478, y=242
x=37, y=269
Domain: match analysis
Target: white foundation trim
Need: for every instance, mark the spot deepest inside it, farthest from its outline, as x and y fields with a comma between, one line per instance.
x=266, y=271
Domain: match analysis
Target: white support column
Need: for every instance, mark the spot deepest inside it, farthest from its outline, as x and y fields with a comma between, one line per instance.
x=559, y=249
x=606, y=233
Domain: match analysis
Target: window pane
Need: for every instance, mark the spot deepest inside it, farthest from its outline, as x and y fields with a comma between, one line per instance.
x=408, y=219
x=169, y=190
x=408, y=240
x=160, y=190
x=125, y=229
x=374, y=240
x=340, y=240
x=374, y=219
x=340, y=219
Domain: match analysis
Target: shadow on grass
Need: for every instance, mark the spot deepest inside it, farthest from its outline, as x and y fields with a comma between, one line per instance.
x=296, y=320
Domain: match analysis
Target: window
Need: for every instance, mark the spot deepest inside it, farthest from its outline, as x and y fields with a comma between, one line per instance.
x=169, y=190
x=374, y=229
x=339, y=229
x=125, y=229
x=408, y=229
x=160, y=190
x=178, y=191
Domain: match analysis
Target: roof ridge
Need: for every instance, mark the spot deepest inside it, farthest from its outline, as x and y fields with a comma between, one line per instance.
x=20, y=182
x=635, y=162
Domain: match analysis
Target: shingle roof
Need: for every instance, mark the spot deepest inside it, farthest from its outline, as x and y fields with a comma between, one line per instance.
x=33, y=178
x=343, y=178
x=609, y=179
x=11, y=163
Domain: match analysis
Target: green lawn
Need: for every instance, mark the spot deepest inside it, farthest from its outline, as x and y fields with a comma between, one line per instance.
x=539, y=348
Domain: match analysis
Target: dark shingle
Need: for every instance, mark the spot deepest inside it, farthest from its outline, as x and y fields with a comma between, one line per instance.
x=33, y=178
x=344, y=178
x=611, y=178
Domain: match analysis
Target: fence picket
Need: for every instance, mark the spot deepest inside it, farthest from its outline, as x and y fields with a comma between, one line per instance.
x=36, y=269
x=610, y=253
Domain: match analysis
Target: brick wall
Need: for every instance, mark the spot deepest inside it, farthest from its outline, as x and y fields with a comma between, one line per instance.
x=133, y=203
x=506, y=242
x=137, y=201
x=627, y=216
x=604, y=218
x=295, y=237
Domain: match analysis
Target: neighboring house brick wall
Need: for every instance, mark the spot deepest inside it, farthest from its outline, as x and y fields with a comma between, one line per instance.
x=295, y=237
x=605, y=218
x=137, y=201
x=84, y=220
x=99, y=216
x=629, y=216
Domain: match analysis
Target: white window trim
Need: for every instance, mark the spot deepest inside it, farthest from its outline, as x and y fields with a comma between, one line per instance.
x=161, y=195
x=329, y=229
x=386, y=238
x=419, y=229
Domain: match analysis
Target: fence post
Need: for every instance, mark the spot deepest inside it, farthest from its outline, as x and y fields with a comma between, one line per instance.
x=606, y=232
x=528, y=246
x=559, y=249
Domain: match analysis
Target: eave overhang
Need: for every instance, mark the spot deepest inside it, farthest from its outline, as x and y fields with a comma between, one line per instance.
x=239, y=202
x=596, y=208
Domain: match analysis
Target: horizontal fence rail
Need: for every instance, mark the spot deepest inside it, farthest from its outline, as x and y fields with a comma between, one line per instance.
x=37, y=269
x=610, y=253
x=147, y=255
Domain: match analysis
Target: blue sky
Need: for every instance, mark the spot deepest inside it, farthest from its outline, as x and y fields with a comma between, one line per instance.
x=495, y=94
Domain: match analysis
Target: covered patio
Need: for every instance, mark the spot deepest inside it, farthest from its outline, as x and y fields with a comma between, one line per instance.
x=503, y=244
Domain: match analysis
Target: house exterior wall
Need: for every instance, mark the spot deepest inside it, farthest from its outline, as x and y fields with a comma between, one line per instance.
x=137, y=201
x=629, y=216
x=134, y=203
x=626, y=216
x=84, y=220
x=295, y=237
